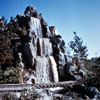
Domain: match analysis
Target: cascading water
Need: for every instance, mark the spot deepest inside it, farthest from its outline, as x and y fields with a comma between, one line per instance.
x=42, y=70
x=44, y=62
x=35, y=26
x=45, y=47
x=53, y=66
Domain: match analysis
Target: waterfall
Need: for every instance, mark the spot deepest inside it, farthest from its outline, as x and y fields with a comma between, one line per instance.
x=42, y=70
x=35, y=26
x=46, y=70
x=45, y=47
x=54, y=68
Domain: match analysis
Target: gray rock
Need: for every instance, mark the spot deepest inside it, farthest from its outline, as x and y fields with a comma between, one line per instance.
x=31, y=12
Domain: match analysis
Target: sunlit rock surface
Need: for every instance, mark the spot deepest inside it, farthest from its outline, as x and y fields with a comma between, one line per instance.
x=53, y=30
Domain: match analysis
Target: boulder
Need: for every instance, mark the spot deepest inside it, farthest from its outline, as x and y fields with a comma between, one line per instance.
x=31, y=12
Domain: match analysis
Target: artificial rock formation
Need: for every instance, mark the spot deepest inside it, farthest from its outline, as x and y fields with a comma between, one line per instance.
x=33, y=52
x=34, y=47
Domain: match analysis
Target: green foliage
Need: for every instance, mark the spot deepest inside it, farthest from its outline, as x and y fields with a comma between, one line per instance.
x=77, y=46
x=79, y=49
x=10, y=75
x=6, y=55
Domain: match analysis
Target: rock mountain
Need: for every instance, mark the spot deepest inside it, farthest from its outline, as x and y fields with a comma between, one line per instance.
x=28, y=43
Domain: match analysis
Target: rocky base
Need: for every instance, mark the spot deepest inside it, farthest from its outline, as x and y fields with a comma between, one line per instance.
x=78, y=92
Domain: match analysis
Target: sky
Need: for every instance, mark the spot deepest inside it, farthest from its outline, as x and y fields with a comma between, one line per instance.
x=81, y=16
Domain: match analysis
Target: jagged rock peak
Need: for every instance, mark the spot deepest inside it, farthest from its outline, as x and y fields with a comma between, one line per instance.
x=31, y=11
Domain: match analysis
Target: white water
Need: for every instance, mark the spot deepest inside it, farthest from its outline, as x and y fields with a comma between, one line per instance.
x=46, y=70
x=46, y=47
x=42, y=70
x=35, y=26
x=54, y=69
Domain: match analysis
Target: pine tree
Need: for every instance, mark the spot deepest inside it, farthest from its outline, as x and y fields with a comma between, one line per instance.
x=79, y=49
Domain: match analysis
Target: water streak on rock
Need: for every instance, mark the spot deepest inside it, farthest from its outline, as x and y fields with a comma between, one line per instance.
x=35, y=26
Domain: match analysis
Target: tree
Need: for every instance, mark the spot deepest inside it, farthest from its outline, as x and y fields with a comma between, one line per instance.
x=79, y=49
x=6, y=52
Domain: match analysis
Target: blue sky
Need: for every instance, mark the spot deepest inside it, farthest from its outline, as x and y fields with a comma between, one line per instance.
x=82, y=16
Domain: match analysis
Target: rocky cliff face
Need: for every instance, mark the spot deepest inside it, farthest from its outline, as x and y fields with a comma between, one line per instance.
x=29, y=43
